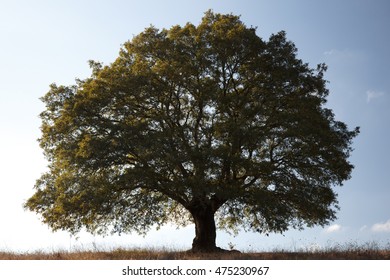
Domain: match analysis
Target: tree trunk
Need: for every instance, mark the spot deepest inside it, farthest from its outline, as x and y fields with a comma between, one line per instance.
x=205, y=230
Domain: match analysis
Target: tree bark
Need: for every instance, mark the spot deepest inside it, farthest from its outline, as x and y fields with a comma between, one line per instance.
x=205, y=230
x=202, y=211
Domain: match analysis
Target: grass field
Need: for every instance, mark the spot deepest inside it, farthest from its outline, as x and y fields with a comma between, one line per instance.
x=338, y=252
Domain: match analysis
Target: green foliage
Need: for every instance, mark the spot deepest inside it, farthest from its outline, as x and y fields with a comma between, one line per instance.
x=208, y=116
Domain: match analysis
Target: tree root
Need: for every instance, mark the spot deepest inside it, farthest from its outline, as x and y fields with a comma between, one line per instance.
x=213, y=250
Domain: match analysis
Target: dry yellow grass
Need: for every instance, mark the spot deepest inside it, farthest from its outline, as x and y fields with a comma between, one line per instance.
x=356, y=253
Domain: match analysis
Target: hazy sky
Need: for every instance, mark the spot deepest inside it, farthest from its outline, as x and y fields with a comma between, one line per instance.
x=42, y=42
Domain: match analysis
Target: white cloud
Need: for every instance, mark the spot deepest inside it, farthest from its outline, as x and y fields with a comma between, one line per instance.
x=332, y=51
x=363, y=228
x=371, y=94
x=333, y=228
x=381, y=227
x=345, y=54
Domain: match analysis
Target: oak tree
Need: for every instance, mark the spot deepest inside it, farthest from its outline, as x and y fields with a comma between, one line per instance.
x=206, y=124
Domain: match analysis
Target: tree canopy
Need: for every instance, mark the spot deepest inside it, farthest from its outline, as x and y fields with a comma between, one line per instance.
x=207, y=124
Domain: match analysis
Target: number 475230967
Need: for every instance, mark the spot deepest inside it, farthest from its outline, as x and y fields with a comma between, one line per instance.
x=234, y=270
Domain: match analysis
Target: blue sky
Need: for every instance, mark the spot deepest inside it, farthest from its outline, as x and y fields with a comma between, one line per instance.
x=42, y=42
